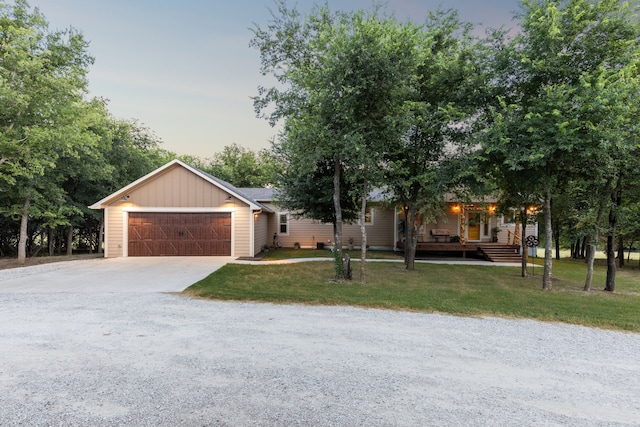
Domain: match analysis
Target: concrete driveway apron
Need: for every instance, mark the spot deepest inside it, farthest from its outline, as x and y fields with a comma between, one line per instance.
x=133, y=274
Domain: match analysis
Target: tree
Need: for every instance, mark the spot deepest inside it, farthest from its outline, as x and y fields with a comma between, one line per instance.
x=343, y=82
x=43, y=77
x=448, y=92
x=303, y=191
x=547, y=124
x=243, y=167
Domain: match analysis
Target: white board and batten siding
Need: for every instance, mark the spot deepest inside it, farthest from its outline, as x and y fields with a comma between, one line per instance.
x=176, y=189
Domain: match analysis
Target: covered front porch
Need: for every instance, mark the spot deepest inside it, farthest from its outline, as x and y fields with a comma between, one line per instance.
x=491, y=251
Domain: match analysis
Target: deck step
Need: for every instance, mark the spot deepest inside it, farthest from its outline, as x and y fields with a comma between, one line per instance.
x=501, y=253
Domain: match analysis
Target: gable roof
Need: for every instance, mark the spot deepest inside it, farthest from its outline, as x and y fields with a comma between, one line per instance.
x=223, y=185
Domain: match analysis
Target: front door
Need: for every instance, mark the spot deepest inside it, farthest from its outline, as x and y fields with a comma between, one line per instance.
x=473, y=226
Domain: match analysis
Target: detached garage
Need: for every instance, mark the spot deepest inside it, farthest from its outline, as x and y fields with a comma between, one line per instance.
x=178, y=210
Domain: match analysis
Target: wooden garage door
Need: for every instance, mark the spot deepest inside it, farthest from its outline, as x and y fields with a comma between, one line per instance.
x=179, y=234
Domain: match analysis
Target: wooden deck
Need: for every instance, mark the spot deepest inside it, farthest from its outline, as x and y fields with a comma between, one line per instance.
x=471, y=248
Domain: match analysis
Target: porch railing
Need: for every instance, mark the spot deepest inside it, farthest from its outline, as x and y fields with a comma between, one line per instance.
x=513, y=237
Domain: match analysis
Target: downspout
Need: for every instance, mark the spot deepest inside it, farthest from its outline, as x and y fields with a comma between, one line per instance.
x=252, y=232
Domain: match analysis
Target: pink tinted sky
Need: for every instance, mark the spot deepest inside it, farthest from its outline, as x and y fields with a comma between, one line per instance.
x=185, y=69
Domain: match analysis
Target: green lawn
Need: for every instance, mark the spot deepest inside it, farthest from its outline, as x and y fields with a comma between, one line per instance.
x=454, y=289
x=287, y=253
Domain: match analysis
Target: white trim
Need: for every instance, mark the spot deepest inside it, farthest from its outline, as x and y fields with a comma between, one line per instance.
x=175, y=210
x=252, y=232
x=288, y=223
x=105, y=218
x=371, y=215
x=233, y=233
x=125, y=233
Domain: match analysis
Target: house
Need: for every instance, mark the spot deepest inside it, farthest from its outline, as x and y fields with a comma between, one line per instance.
x=312, y=234
x=178, y=210
x=472, y=228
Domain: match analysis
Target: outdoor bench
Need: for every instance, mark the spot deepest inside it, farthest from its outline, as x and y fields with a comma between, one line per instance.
x=441, y=232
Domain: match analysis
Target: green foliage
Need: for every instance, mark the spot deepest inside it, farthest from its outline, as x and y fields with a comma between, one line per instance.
x=344, y=81
x=568, y=103
x=43, y=80
x=243, y=167
x=446, y=98
x=307, y=193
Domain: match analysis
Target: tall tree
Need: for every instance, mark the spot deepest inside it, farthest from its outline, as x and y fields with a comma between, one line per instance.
x=344, y=81
x=548, y=125
x=43, y=77
x=446, y=98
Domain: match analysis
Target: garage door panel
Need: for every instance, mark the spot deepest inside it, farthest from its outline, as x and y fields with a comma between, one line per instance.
x=179, y=234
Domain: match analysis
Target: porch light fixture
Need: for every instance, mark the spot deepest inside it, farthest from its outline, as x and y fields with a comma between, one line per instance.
x=492, y=209
x=455, y=208
x=228, y=197
x=124, y=198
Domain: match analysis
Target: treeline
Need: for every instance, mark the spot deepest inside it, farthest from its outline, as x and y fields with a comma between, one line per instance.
x=61, y=152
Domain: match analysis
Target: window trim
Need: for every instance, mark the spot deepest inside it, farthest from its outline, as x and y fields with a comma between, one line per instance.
x=286, y=224
x=371, y=212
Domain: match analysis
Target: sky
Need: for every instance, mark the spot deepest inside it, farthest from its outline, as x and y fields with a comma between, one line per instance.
x=184, y=69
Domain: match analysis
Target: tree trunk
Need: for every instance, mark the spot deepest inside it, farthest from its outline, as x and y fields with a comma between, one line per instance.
x=58, y=242
x=337, y=244
x=523, y=243
x=621, y=252
x=411, y=238
x=100, y=235
x=616, y=199
x=50, y=240
x=591, y=256
x=593, y=242
x=22, y=241
x=548, y=232
x=363, y=232
x=610, y=283
x=586, y=244
x=70, y=240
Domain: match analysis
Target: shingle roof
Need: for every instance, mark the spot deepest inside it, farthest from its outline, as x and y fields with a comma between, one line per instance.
x=259, y=194
x=239, y=191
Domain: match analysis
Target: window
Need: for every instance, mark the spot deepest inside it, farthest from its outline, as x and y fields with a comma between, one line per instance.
x=283, y=223
x=368, y=216
x=510, y=217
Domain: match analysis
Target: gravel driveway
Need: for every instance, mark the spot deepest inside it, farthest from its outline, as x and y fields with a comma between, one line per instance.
x=158, y=359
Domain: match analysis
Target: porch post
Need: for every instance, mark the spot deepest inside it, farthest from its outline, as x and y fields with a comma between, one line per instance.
x=463, y=216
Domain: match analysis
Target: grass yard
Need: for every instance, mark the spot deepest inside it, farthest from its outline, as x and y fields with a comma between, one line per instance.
x=454, y=289
x=288, y=253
